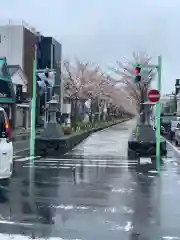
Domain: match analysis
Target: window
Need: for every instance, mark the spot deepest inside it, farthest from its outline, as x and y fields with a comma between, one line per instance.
x=178, y=125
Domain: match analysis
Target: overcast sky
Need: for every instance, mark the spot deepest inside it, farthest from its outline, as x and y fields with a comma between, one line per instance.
x=103, y=31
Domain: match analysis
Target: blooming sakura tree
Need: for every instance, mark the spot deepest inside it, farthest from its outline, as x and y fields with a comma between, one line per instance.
x=77, y=78
x=84, y=81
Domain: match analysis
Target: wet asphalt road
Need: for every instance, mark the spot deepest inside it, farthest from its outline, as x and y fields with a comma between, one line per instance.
x=92, y=193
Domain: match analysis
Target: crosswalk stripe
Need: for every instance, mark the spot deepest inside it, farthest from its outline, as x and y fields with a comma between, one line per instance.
x=24, y=159
x=79, y=165
x=69, y=167
x=86, y=161
x=14, y=157
x=89, y=159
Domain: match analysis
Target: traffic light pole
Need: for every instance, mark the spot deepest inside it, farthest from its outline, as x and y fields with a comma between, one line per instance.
x=158, y=112
x=33, y=114
x=158, y=117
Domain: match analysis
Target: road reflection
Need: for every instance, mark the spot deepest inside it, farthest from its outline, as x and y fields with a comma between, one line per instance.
x=146, y=223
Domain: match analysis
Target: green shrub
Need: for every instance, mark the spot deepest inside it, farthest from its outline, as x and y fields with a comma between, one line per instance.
x=67, y=130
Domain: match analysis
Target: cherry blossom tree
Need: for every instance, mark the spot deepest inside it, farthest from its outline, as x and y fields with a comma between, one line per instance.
x=105, y=90
x=77, y=77
x=83, y=81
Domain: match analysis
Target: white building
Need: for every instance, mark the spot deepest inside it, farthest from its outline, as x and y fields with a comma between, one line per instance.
x=18, y=77
x=17, y=44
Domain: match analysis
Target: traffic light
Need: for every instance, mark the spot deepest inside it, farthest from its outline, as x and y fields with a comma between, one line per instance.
x=137, y=71
x=137, y=79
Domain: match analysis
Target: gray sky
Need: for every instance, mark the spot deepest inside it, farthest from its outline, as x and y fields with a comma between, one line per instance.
x=103, y=31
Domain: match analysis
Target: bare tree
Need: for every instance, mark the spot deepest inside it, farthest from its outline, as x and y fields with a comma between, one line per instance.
x=126, y=76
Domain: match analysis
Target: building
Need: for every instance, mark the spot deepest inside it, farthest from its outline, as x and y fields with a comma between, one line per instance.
x=19, y=79
x=17, y=44
x=20, y=83
x=7, y=94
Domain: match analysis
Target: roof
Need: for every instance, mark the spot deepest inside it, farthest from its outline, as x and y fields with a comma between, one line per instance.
x=13, y=69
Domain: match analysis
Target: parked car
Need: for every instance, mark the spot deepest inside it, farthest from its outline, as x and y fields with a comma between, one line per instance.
x=177, y=135
x=166, y=120
x=6, y=148
x=172, y=129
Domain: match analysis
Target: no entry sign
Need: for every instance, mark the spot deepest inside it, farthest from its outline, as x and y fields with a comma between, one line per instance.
x=153, y=95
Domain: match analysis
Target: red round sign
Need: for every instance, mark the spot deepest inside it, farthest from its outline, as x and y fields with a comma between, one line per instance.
x=153, y=95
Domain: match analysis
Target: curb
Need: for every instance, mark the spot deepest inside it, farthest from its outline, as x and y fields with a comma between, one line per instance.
x=23, y=136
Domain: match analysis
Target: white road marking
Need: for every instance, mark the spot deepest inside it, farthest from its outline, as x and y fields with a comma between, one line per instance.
x=22, y=150
x=6, y=236
x=15, y=223
x=61, y=165
x=14, y=157
x=49, y=160
x=174, y=147
x=25, y=159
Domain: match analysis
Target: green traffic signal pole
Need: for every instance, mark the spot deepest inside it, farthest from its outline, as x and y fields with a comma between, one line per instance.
x=33, y=136
x=158, y=112
x=158, y=118
x=33, y=114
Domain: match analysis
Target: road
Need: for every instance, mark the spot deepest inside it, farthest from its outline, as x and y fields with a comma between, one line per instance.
x=91, y=193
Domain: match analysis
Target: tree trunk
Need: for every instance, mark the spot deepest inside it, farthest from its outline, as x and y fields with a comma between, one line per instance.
x=74, y=118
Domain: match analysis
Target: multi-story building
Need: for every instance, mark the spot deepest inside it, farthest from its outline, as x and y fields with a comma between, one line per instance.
x=17, y=44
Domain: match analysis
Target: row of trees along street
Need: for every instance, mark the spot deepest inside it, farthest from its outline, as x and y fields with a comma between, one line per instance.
x=118, y=93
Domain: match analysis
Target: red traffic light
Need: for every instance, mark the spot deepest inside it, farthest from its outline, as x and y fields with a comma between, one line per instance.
x=137, y=70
